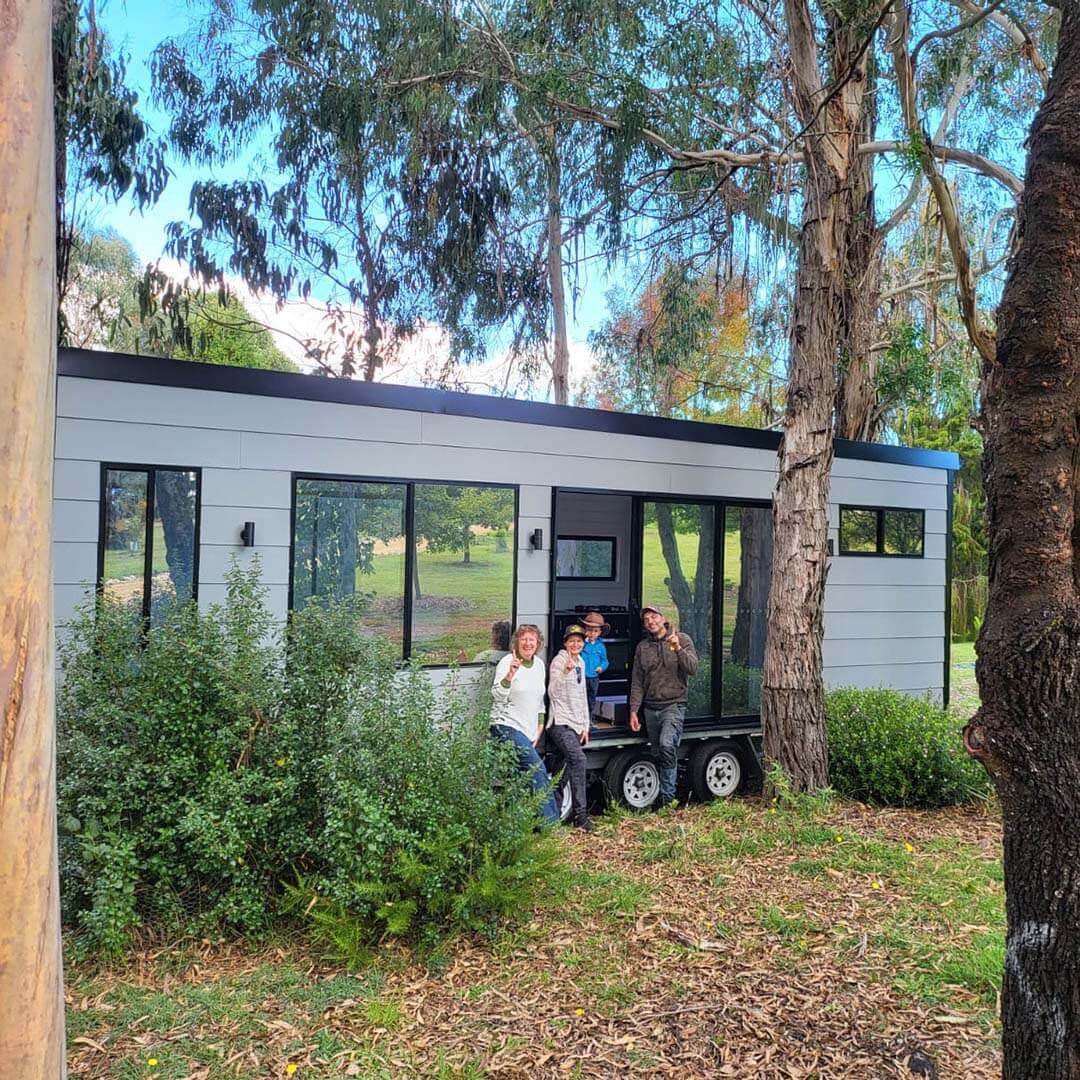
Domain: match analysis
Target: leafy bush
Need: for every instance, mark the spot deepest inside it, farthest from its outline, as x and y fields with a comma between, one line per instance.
x=889, y=748
x=209, y=758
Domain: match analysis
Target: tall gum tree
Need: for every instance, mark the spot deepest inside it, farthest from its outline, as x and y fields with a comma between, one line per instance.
x=1027, y=731
x=793, y=696
x=31, y=983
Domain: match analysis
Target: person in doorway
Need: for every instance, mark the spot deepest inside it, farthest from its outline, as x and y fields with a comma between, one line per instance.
x=663, y=663
x=569, y=720
x=517, y=711
x=594, y=655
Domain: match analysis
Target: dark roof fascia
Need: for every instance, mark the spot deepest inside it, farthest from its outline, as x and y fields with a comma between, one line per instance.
x=186, y=374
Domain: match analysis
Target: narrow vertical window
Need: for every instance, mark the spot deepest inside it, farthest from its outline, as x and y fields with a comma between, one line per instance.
x=463, y=570
x=748, y=548
x=349, y=540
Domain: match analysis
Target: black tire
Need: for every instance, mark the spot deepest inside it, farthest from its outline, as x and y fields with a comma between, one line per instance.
x=717, y=770
x=632, y=778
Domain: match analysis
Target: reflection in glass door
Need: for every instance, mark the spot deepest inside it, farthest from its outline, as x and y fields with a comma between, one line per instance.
x=748, y=545
x=677, y=560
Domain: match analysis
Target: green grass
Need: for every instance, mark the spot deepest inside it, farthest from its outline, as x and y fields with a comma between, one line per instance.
x=122, y=564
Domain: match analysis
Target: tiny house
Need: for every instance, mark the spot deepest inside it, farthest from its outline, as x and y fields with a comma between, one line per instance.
x=459, y=516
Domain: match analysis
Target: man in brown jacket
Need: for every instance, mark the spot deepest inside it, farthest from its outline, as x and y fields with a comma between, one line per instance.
x=663, y=664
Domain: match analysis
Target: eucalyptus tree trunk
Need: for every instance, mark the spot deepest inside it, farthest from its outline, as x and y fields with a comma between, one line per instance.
x=1027, y=731
x=857, y=413
x=560, y=358
x=31, y=981
x=793, y=697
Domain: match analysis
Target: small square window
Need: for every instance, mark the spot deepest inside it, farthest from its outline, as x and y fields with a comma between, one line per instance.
x=858, y=531
x=903, y=532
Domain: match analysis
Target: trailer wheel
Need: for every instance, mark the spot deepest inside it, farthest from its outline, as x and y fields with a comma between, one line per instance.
x=633, y=779
x=566, y=807
x=716, y=769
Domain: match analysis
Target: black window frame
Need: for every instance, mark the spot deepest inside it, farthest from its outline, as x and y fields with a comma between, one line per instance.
x=409, y=483
x=613, y=576
x=148, y=543
x=879, y=551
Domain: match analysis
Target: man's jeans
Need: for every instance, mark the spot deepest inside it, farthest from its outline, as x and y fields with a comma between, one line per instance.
x=528, y=761
x=664, y=724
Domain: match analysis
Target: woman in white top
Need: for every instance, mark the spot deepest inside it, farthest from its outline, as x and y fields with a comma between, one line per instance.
x=569, y=720
x=517, y=711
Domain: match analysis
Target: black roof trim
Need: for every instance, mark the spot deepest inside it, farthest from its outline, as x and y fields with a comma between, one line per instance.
x=156, y=371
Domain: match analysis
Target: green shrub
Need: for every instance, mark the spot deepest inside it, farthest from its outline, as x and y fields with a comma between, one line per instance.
x=209, y=758
x=889, y=748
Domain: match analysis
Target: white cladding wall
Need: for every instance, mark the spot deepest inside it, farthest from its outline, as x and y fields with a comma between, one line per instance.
x=884, y=618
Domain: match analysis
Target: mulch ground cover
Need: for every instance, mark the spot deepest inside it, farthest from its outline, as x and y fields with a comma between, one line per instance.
x=725, y=941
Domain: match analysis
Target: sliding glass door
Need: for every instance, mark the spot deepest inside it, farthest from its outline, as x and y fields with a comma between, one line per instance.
x=707, y=565
x=678, y=567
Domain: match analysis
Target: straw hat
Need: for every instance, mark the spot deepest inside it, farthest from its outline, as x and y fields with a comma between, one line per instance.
x=594, y=618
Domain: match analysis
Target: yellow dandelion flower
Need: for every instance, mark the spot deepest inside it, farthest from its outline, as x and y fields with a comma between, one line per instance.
x=875, y=884
x=280, y=763
x=152, y=1062
x=908, y=848
x=290, y=1068
x=839, y=838
x=579, y=1012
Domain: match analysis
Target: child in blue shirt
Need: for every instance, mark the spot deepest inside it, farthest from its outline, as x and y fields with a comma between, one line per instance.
x=594, y=655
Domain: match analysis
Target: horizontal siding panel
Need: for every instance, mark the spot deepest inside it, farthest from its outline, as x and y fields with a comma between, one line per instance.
x=74, y=563
x=93, y=398
x=534, y=500
x=146, y=444
x=247, y=487
x=881, y=570
x=532, y=596
x=277, y=598
x=891, y=624
x=66, y=598
x=888, y=493
x=853, y=652
x=468, y=432
x=215, y=560
x=910, y=677
x=76, y=479
x=883, y=598
x=76, y=520
x=855, y=469
x=534, y=566
x=222, y=525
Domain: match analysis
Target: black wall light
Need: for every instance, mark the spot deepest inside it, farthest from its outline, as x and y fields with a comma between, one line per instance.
x=536, y=539
x=247, y=534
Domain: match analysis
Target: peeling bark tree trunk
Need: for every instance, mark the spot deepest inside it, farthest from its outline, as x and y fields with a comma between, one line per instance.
x=31, y=983
x=857, y=415
x=793, y=698
x=1027, y=732
x=560, y=359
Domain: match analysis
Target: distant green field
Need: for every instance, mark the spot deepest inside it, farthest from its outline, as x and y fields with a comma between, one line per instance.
x=122, y=564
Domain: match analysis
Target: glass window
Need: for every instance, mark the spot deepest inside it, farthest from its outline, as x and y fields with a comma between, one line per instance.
x=903, y=532
x=123, y=564
x=463, y=575
x=858, y=530
x=163, y=556
x=677, y=577
x=748, y=548
x=172, y=547
x=349, y=540
x=585, y=558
